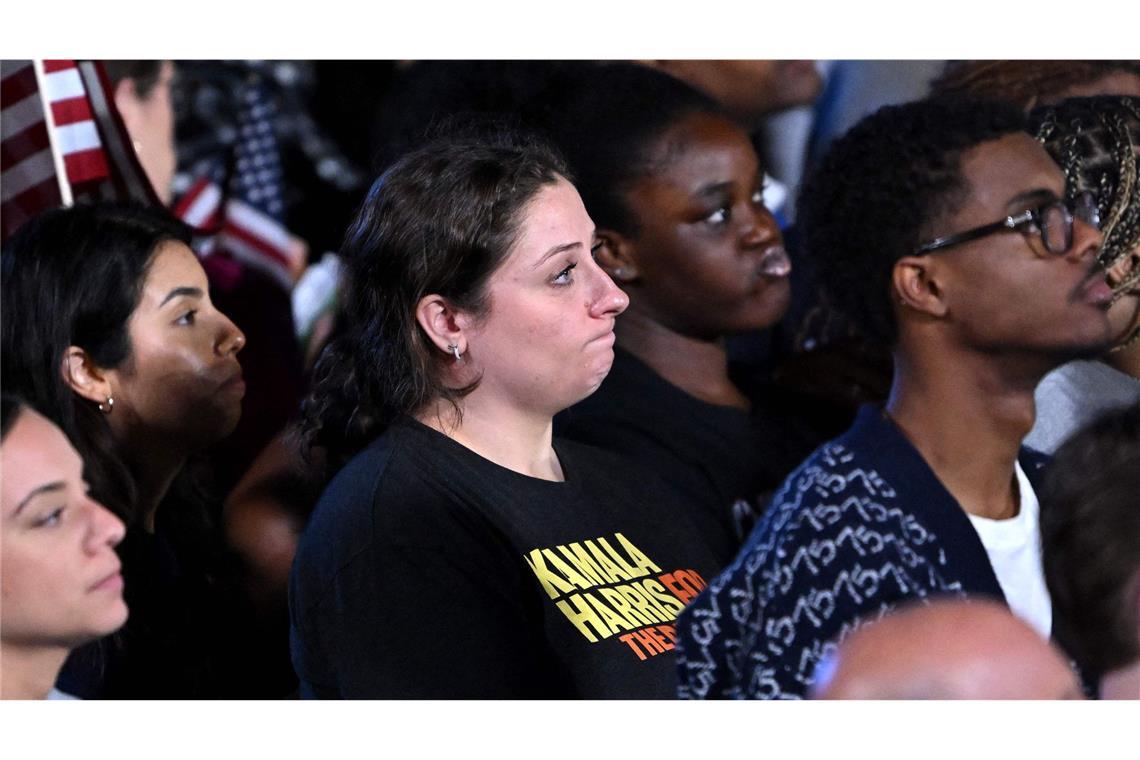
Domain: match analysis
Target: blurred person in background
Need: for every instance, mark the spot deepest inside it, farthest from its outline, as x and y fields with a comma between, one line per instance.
x=1090, y=536
x=143, y=96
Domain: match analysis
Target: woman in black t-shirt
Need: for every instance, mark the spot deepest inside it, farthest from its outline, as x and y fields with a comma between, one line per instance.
x=462, y=551
x=676, y=190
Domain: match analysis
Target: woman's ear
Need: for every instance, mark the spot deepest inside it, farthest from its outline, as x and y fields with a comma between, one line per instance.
x=443, y=324
x=84, y=377
x=615, y=254
x=915, y=285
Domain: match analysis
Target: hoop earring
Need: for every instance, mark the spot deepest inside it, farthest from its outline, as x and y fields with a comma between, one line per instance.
x=110, y=405
x=454, y=349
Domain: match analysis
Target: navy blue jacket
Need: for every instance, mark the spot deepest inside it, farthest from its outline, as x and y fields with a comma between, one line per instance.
x=860, y=527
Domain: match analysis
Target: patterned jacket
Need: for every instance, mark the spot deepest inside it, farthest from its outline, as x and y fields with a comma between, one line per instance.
x=860, y=527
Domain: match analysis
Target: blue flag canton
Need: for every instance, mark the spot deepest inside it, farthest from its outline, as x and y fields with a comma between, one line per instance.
x=257, y=179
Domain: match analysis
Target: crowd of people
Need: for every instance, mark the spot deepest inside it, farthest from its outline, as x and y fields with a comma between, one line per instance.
x=588, y=414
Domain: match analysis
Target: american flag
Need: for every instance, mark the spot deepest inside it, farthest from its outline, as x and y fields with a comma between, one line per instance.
x=238, y=200
x=77, y=149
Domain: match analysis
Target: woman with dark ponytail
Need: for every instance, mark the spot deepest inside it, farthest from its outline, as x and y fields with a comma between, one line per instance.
x=463, y=551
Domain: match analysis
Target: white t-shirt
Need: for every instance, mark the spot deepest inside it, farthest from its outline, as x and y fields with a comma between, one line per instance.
x=1014, y=549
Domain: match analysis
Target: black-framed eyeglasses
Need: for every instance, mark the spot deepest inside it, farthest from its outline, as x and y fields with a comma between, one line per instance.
x=1053, y=221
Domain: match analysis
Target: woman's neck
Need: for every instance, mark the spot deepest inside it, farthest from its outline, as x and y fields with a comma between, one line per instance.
x=154, y=465
x=698, y=367
x=29, y=673
x=499, y=432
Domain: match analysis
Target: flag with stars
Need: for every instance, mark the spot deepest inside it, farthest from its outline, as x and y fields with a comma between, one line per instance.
x=239, y=201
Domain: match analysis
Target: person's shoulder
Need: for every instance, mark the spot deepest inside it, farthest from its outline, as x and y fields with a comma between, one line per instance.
x=834, y=473
x=340, y=526
x=1064, y=399
x=1082, y=377
x=1071, y=395
x=830, y=476
x=383, y=480
x=828, y=510
x=350, y=493
x=382, y=502
x=824, y=553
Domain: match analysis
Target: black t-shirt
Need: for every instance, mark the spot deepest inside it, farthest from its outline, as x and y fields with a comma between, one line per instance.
x=428, y=571
x=189, y=635
x=707, y=452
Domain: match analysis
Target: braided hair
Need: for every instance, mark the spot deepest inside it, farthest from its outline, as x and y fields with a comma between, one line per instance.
x=1096, y=141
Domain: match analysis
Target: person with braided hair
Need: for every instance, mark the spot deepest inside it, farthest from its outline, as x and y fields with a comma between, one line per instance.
x=1096, y=142
x=941, y=228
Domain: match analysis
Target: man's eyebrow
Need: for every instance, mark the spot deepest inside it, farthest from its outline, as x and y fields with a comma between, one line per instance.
x=1034, y=197
x=555, y=251
x=58, y=485
x=182, y=291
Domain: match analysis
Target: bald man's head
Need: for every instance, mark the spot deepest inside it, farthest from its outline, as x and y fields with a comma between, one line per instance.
x=948, y=649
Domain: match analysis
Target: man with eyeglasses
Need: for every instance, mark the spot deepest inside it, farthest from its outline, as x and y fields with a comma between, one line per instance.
x=939, y=228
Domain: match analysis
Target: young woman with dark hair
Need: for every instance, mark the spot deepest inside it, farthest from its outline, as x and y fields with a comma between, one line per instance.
x=464, y=552
x=675, y=188
x=59, y=576
x=108, y=329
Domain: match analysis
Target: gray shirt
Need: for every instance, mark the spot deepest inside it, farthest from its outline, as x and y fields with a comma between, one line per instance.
x=1072, y=396
x=57, y=694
